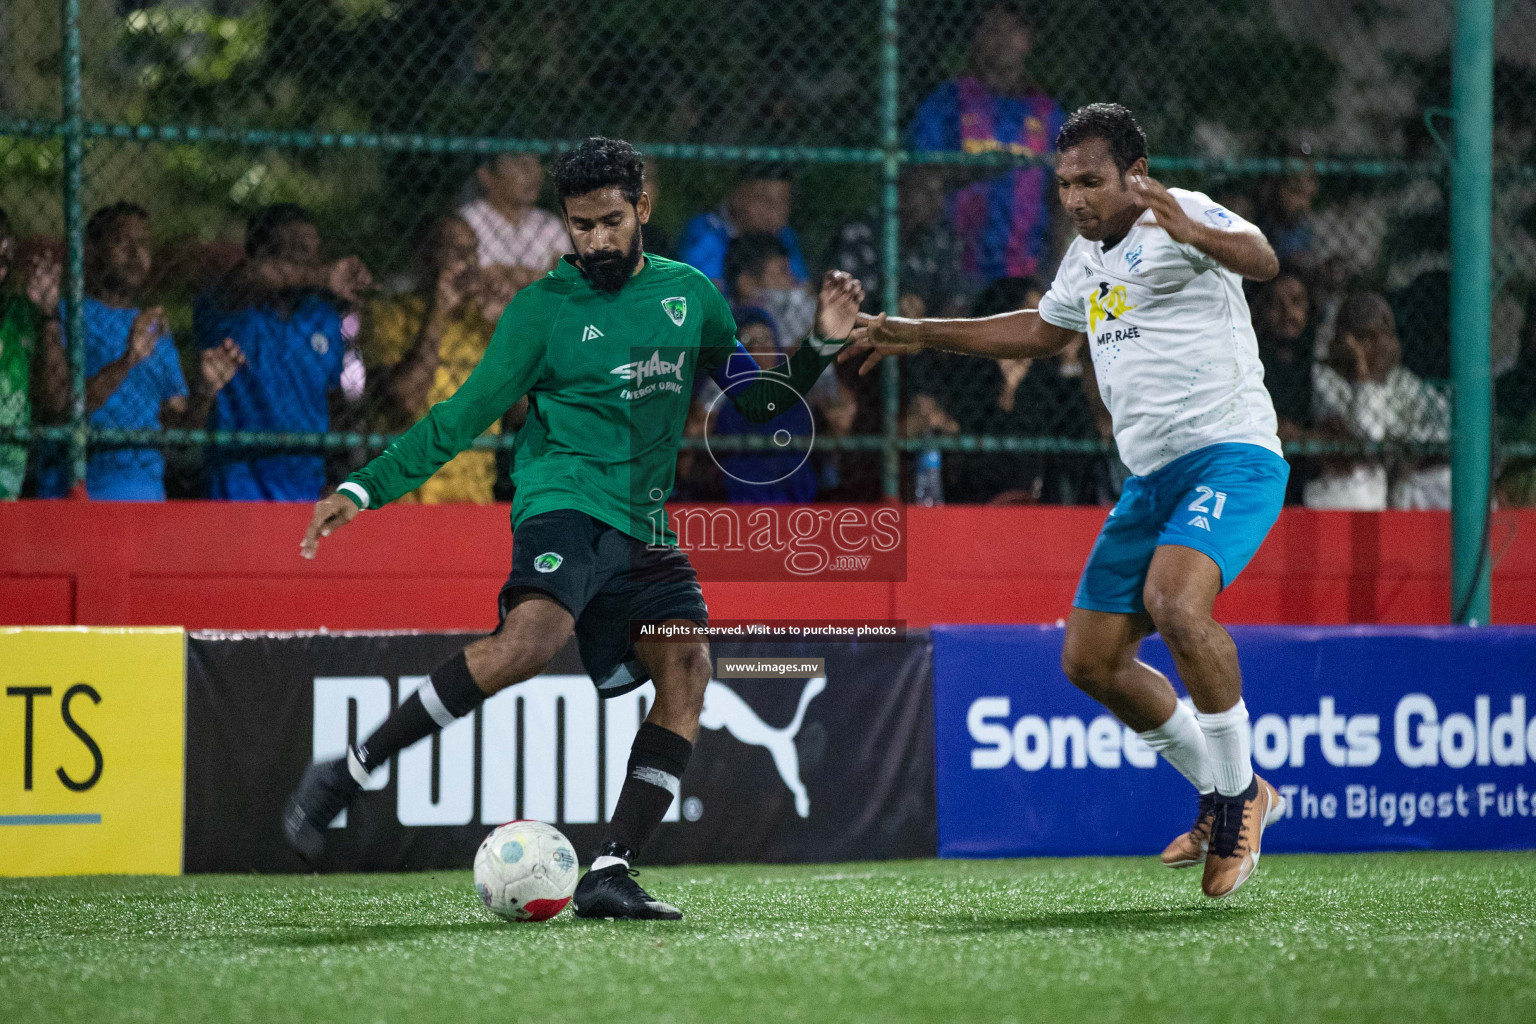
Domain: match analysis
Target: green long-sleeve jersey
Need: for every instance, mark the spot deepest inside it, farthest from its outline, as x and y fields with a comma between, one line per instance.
x=609, y=379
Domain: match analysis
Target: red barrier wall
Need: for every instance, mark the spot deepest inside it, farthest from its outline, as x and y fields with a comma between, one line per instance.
x=210, y=565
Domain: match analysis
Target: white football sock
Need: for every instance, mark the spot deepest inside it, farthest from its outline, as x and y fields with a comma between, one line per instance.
x=1230, y=742
x=608, y=862
x=1183, y=744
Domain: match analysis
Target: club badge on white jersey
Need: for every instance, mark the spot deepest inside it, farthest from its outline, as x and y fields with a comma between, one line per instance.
x=1171, y=339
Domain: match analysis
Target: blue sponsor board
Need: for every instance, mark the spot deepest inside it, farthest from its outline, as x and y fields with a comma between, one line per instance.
x=1381, y=738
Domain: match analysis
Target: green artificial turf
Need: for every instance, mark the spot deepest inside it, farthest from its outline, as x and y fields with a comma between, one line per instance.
x=1405, y=937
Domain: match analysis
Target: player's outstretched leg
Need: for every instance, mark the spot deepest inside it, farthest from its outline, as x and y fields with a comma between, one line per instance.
x=657, y=761
x=1099, y=656
x=531, y=634
x=1181, y=588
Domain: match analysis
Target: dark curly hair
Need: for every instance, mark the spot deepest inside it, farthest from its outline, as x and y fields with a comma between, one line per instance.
x=98, y=230
x=749, y=254
x=1108, y=121
x=599, y=163
x=262, y=225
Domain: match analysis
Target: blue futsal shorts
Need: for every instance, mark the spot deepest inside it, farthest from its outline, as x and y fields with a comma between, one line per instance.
x=1220, y=500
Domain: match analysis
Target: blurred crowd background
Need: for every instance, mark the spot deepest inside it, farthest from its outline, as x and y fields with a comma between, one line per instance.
x=303, y=217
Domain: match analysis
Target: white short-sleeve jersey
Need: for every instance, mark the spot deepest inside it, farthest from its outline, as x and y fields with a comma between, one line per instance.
x=1171, y=337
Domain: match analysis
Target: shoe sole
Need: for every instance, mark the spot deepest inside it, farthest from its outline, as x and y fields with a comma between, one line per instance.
x=302, y=840
x=625, y=917
x=1274, y=814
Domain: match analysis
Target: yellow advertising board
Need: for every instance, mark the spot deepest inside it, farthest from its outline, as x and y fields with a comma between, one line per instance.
x=91, y=750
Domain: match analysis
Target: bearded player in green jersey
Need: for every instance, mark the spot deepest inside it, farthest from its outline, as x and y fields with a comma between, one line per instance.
x=606, y=347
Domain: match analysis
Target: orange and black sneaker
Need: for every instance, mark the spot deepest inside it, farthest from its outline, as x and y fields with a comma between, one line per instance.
x=1189, y=849
x=1237, y=828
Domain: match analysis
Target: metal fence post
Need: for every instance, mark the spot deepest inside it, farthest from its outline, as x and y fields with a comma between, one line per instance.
x=890, y=141
x=1471, y=307
x=74, y=236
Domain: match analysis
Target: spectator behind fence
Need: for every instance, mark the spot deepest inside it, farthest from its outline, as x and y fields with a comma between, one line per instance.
x=282, y=307
x=1004, y=223
x=1422, y=309
x=760, y=203
x=420, y=347
x=1282, y=320
x=515, y=235
x=657, y=239
x=133, y=372
x=1234, y=196
x=1285, y=215
x=33, y=372
x=1365, y=394
x=1041, y=398
x=931, y=279
x=758, y=272
x=1284, y=323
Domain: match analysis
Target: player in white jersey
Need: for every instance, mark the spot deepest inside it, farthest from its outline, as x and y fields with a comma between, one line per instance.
x=1155, y=282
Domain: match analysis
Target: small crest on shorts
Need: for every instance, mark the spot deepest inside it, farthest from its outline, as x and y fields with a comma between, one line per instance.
x=677, y=309
x=1200, y=521
x=547, y=562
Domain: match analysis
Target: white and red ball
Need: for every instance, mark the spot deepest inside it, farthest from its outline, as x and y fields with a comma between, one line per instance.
x=526, y=871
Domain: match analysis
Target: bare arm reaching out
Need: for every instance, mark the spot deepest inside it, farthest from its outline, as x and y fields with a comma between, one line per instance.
x=1017, y=335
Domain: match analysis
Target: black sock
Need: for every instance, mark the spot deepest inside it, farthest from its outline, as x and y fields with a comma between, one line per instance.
x=656, y=763
x=449, y=693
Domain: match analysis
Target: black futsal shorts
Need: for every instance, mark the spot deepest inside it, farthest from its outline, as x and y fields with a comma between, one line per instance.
x=606, y=579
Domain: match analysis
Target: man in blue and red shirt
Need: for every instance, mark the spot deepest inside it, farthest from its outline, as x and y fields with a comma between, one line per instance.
x=1004, y=222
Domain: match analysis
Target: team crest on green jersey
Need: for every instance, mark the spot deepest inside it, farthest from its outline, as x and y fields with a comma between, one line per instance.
x=677, y=309
x=547, y=562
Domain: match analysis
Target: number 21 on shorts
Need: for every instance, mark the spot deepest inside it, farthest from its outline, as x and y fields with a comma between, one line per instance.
x=1205, y=494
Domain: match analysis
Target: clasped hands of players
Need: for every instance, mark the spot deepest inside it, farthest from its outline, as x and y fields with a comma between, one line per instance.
x=837, y=308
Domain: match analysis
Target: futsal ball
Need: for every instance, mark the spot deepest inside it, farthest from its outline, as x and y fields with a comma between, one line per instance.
x=526, y=871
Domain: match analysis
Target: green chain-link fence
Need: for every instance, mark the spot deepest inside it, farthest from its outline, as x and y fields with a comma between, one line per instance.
x=914, y=140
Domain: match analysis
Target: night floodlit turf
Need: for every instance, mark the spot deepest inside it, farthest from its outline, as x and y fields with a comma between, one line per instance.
x=1412, y=937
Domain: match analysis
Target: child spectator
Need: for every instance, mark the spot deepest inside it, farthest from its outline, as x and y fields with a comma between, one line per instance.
x=759, y=272
x=780, y=474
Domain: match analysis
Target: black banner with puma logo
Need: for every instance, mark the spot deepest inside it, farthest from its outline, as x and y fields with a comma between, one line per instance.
x=835, y=766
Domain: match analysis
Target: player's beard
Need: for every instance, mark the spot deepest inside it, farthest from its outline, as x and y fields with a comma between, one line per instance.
x=609, y=270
